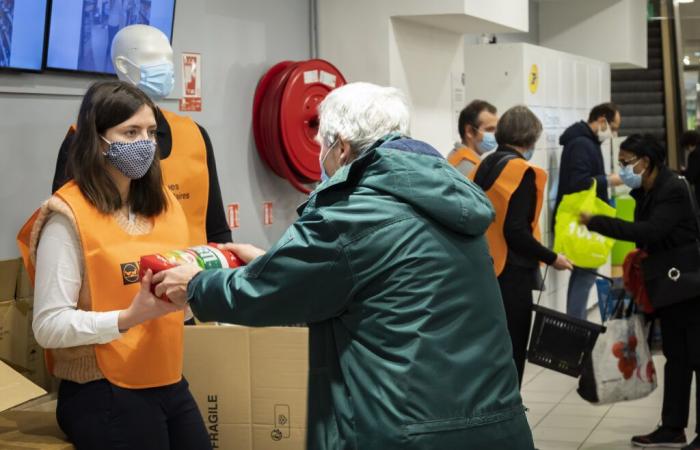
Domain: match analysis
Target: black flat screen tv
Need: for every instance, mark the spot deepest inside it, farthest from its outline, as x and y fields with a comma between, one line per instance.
x=81, y=31
x=22, y=25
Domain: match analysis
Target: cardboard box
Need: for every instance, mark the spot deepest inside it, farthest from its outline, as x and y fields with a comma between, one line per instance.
x=25, y=287
x=17, y=344
x=9, y=271
x=34, y=428
x=250, y=385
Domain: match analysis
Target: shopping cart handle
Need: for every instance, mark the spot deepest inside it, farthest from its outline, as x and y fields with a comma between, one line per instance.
x=594, y=272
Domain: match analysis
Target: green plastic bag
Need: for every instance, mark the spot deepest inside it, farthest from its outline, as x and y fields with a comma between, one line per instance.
x=583, y=247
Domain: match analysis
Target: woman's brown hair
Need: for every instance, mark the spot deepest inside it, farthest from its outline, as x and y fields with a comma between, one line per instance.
x=105, y=105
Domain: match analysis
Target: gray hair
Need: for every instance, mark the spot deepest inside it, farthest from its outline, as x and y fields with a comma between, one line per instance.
x=361, y=114
x=519, y=127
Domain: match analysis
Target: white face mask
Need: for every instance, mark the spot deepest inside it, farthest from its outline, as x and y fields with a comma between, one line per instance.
x=604, y=135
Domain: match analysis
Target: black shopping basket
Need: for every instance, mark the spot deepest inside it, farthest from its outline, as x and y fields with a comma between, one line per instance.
x=560, y=342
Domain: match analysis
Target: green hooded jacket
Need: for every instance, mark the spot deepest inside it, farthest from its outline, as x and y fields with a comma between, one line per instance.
x=389, y=267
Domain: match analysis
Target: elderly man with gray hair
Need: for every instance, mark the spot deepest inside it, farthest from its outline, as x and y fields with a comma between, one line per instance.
x=388, y=266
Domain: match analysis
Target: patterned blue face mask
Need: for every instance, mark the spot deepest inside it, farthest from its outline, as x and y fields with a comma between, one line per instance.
x=133, y=159
x=157, y=80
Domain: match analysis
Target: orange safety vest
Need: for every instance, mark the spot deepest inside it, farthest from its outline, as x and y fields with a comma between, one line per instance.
x=500, y=193
x=149, y=354
x=185, y=172
x=462, y=153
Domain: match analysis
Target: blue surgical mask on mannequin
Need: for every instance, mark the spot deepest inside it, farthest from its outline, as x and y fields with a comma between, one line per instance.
x=488, y=143
x=629, y=177
x=156, y=80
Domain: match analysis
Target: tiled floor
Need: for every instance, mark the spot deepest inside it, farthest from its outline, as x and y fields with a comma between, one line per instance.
x=561, y=420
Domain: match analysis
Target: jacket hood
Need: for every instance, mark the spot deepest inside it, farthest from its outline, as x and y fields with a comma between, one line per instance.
x=415, y=173
x=578, y=130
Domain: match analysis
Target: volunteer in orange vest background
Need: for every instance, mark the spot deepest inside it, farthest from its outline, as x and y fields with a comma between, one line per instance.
x=516, y=189
x=116, y=348
x=477, y=129
x=142, y=56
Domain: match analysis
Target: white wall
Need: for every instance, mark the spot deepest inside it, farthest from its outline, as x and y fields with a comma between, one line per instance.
x=416, y=46
x=238, y=40
x=424, y=62
x=614, y=31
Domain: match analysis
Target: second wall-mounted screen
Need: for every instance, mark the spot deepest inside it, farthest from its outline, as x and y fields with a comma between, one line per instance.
x=81, y=31
x=22, y=24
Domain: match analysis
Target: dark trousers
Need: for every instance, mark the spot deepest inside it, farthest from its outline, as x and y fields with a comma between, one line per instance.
x=680, y=333
x=101, y=416
x=516, y=289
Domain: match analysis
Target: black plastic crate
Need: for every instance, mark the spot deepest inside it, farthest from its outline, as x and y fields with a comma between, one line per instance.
x=560, y=342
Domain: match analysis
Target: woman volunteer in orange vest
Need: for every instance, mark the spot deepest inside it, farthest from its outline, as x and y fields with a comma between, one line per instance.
x=516, y=189
x=116, y=349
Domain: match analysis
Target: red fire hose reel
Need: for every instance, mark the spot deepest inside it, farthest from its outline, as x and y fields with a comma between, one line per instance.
x=285, y=117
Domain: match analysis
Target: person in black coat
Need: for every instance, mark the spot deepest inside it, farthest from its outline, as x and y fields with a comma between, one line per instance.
x=663, y=220
x=582, y=163
x=690, y=141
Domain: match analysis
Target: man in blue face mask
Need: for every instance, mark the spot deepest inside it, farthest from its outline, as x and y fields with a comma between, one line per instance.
x=581, y=163
x=477, y=130
x=143, y=57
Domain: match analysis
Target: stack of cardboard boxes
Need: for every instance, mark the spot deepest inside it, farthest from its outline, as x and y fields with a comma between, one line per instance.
x=249, y=383
x=18, y=348
x=27, y=426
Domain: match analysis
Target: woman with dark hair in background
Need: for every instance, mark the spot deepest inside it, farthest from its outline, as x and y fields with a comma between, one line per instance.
x=663, y=220
x=116, y=348
x=516, y=189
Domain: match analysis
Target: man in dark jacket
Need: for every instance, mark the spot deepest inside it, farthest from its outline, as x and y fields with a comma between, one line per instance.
x=388, y=264
x=582, y=164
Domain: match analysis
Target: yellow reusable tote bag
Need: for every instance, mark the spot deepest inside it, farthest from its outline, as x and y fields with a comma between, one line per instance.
x=583, y=247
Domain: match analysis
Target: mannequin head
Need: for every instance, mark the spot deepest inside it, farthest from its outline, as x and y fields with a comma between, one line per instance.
x=142, y=56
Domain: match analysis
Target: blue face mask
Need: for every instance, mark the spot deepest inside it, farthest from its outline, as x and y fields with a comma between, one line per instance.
x=528, y=154
x=157, y=80
x=133, y=159
x=488, y=143
x=321, y=161
x=631, y=179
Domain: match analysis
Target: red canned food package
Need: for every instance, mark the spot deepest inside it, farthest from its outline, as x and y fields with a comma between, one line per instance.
x=205, y=256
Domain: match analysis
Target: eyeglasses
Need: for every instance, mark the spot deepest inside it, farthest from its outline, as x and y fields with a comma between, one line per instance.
x=623, y=163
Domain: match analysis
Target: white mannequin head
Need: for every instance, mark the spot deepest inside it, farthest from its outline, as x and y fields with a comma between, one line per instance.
x=137, y=46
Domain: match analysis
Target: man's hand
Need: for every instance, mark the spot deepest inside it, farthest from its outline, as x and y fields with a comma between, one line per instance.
x=614, y=180
x=562, y=263
x=173, y=282
x=584, y=218
x=144, y=306
x=245, y=252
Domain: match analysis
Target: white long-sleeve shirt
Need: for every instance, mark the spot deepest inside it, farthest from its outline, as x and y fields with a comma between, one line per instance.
x=58, y=322
x=59, y=274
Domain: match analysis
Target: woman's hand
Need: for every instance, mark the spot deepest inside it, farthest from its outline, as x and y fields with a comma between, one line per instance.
x=145, y=306
x=173, y=282
x=245, y=252
x=562, y=263
x=584, y=218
